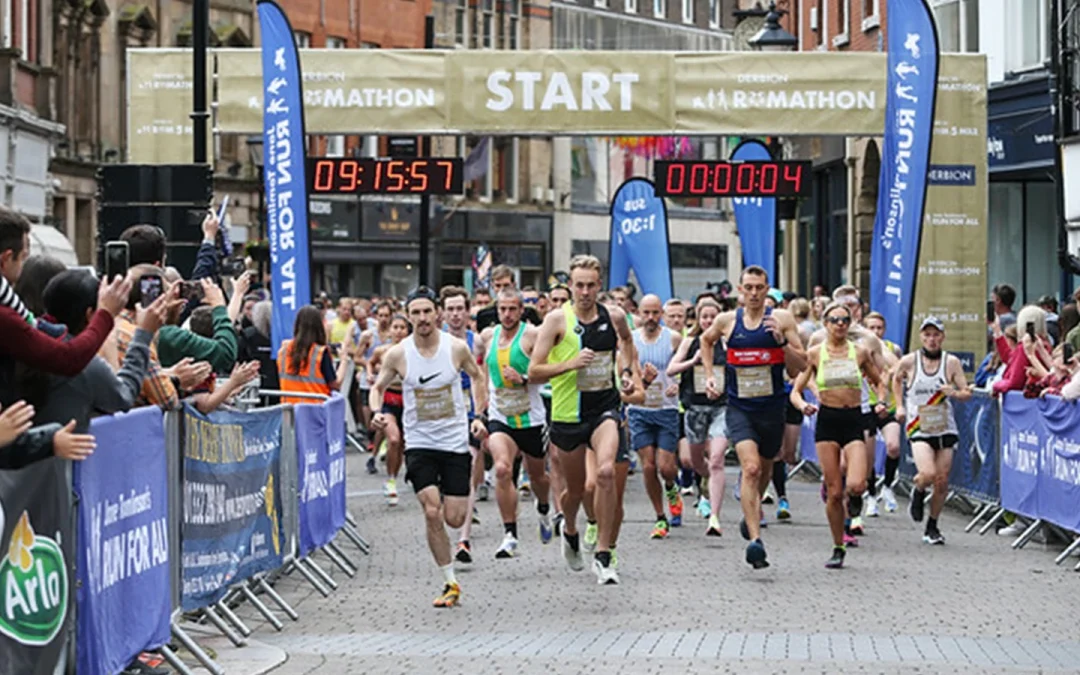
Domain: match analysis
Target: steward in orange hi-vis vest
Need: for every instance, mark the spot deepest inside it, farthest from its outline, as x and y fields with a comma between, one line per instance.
x=305, y=377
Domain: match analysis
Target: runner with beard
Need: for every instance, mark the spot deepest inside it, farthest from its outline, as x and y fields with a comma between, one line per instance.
x=926, y=383
x=436, y=425
x=761, y=344
x=576, y=350
x=516, y=417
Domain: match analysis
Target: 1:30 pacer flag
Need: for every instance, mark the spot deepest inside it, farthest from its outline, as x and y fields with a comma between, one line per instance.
x=911, y=92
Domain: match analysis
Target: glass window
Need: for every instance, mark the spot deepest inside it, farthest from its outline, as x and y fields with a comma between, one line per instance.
x=688, y=11
x=488, y=25
x=842, y=23
x=335, y=146
x=303, y=40
x=714, y=13
x=659, y=8
x=397, y=280
x=630, y=6
x=513, y=25
x=1041, y=231
x=461, y=24
x=1032, y=47
x=1005, y=235
x=335, y=43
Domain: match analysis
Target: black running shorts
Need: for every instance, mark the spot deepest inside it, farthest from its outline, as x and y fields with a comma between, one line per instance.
x=451, y=472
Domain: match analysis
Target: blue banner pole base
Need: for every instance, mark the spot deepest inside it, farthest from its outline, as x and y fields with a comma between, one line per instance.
x=311, y=579
x=339, y=559
x=1068, y=551
x=1024, y=538
x=990, y=523
x=979, y=515
x=320, y=572
x=232, y=618
x=261, y=608
x=223, y=627
x=266, y=588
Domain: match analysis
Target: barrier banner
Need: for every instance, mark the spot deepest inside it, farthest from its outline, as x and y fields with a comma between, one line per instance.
x=910, y=90
x=639, y=239
x=123, y=542
x=755, y=217
x=1040, y=467
x=231, y=529
x=322, y=472
x=286, y=186
x=35, y=518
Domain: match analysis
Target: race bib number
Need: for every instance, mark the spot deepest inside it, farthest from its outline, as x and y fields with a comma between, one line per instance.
x=434, y=404
x=654, y=395
x=597, y=376
x=754, y=381
x=841, y=373
x=719, y=375
x=933, y=419
x=514, y=402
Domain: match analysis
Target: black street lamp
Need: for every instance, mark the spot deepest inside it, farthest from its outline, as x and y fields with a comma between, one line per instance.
x=255, y=152
x=772, y=37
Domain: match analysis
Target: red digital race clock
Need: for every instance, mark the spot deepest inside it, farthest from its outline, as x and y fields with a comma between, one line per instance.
x=732, y=179
x=413, y=175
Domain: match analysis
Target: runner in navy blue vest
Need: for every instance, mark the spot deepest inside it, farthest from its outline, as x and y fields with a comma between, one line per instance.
x=761, y=343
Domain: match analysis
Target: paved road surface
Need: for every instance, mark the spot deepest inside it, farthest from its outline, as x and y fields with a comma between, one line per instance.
x=688, y=604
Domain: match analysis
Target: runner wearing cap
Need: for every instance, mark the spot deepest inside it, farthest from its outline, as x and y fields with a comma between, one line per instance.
x=925, y=384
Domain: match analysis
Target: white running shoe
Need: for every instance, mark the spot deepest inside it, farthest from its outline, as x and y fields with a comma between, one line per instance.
x=872, y=506
x=1014, y=530
x=390, y=492
x=889, y=497
x=573, y=558
x=508, y=548
x=605, y=576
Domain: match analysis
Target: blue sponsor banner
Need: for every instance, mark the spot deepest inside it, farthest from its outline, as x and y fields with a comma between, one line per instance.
x=231, y=526
x=911, y=88
x=639, y=239
x=755, y=217
x=1040, y=467
x=320, y=453
x=952, y=174
x=123, y=542
x=286, y=185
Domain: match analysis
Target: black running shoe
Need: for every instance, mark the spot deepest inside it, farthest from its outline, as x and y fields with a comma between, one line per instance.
x=755, y=555
x=918, y=502
x=837, y=559
x=744, y=530
x=933, y=537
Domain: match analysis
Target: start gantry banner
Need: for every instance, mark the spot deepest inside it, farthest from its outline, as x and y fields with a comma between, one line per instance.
x=534, y=92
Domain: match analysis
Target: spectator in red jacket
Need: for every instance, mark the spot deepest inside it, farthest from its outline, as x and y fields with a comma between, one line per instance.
x=22, y=341
x=1032, y=353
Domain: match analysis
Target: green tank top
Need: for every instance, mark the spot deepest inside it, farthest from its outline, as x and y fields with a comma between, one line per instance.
x=834, y=373
x=512, y=356
x=578, y=395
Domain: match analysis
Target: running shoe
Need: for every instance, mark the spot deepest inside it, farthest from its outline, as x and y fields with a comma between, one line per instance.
x=482, y=492
x=557, y=523
x=1014, y=530
x=704, y=508
x=933, y=537
x=371, y=469
x=605, y=576
x=783, y=510
x=383, y=449
x=857, y=528
x=675, y=503
x=837, y=559
x=851, y=541
x=770, y=495
x=544, y=528
x=737, y=492
x=872, y=510
x=918, y=503
x=755, y=555
x=660, y=530
x=744, y=530
x=572, y=555
x=390, y=492
x=525, y=487
x=714, y=527
x=889, y=497
x=588, y=542
x=450, y=597
x=464, y=553
x=508, y=548
x=614, y=559
x=475, y=516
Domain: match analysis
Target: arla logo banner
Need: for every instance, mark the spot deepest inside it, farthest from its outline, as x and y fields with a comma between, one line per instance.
x=34, y=586
x=911, y=89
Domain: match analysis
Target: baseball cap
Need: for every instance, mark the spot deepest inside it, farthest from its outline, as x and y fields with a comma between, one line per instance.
x=776, y=295
x=932, y=321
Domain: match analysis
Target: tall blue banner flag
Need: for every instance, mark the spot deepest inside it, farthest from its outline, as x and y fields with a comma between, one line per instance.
x=283, y=158
x=755, y=217
x=911, y=90
x=123, y=542
x=639, y=239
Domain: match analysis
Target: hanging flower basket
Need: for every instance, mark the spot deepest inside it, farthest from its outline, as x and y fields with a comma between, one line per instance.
x=655, y=147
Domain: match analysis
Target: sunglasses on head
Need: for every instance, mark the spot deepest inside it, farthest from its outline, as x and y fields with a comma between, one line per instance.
x=839, y=320
x=530, y=301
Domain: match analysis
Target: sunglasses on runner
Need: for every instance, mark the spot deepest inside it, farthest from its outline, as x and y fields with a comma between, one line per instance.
x=839, y=320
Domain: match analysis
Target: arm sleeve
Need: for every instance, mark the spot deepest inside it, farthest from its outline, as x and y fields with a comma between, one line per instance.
x=327, y=367
x=1015, y=374
x=175, y=343
x=36, y=349
x=205, y=262
x=1003, y=348
x=33, y=446
x=118, y=391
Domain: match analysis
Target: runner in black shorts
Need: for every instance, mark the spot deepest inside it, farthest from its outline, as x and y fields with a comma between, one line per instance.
x=761, y=343
x=400, y=328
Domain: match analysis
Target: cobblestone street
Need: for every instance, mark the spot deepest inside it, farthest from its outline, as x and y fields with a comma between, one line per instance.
x=686, y=604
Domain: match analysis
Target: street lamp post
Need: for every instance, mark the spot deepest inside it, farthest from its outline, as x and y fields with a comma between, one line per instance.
x=772, y=37
x=255, y=152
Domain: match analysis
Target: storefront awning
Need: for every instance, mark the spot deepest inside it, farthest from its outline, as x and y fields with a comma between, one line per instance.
x=1020, y=127
x=47, y=240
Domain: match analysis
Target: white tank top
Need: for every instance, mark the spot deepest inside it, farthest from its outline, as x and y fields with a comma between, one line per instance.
x=659, y=354
x=928, y=415
x=434, y=416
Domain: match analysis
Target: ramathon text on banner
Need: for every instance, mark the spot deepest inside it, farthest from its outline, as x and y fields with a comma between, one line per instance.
x=911, y=87
x=283, y=157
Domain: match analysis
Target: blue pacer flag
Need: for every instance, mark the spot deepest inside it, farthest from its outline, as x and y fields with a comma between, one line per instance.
x=286, y=185
x=911, y=90
x=639, y=239
x=755, y=217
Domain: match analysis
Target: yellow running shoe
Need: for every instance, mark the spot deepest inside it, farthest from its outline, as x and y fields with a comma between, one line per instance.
x=660, y=531
x=450, y=597
x=592, y=532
